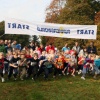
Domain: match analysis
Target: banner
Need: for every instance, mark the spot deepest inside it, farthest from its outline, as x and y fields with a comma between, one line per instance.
x=13, y=26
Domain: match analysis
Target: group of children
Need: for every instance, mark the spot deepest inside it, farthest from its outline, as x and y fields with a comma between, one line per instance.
x=26, y=64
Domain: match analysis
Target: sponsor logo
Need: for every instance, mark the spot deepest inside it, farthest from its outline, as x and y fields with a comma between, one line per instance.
x=60, y=30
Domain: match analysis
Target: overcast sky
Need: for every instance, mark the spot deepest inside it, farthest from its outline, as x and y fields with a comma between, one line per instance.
x=28, y=10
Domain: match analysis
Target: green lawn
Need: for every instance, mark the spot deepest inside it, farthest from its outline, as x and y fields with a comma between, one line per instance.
x=60, y=88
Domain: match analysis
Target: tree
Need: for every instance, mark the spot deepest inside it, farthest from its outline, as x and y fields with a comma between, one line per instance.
x=52, y=13
x=35, y=38
x=43, y=40
x=77, y=12
x=97, y=21
x=1, y=28
x=53, y=10
x=80, y=12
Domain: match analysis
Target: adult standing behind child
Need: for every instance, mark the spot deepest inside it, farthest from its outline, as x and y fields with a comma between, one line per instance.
x=50, y=47
x=91, y=49
x=65, y=48
x=76, y=48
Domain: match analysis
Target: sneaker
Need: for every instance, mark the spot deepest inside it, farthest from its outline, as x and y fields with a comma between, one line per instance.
x=94, y=77
x=83, y=78
x=73, y=75
x=54, y=76
x=3, y=80
x=59, y=74
x=63, y=73
x=3, y=71
x=22, y=79
x=15, y=79
x=79, y=72
x=67, y=73
x=33, y=79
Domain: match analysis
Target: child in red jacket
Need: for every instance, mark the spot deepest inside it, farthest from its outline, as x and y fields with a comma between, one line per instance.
x=2, y=59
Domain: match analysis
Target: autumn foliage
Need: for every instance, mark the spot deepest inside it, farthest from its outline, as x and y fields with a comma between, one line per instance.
x=81, y=12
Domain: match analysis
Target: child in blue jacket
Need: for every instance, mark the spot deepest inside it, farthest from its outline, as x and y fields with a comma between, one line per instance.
x=96, y=66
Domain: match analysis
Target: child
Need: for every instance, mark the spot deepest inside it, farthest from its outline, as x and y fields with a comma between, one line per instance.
x=67, y=59
x=96, y=66
x=47, y=67
x=13, y=66
x=87, y=64
x=2, y=59
x=72, y=63
x=8, y=57
x=33, y=66
x=71, y=68
x=42, y=59
x=59, y=65
x=22, y=66
x=81, y=59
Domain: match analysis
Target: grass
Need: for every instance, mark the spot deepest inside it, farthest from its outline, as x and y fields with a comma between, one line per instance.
x=60, y=88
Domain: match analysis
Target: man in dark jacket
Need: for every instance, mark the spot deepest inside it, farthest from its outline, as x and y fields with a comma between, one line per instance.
x=91, y=49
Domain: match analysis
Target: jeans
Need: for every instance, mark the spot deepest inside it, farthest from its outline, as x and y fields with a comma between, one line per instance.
x=13, y=71
x=97, y=71
x=85, y=70
x=47, y=71
x=6, y=65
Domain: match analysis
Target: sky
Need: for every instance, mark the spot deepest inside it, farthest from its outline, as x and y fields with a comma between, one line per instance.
x=28, y=10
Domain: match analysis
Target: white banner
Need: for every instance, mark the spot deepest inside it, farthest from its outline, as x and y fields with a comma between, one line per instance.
x=13, y=26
